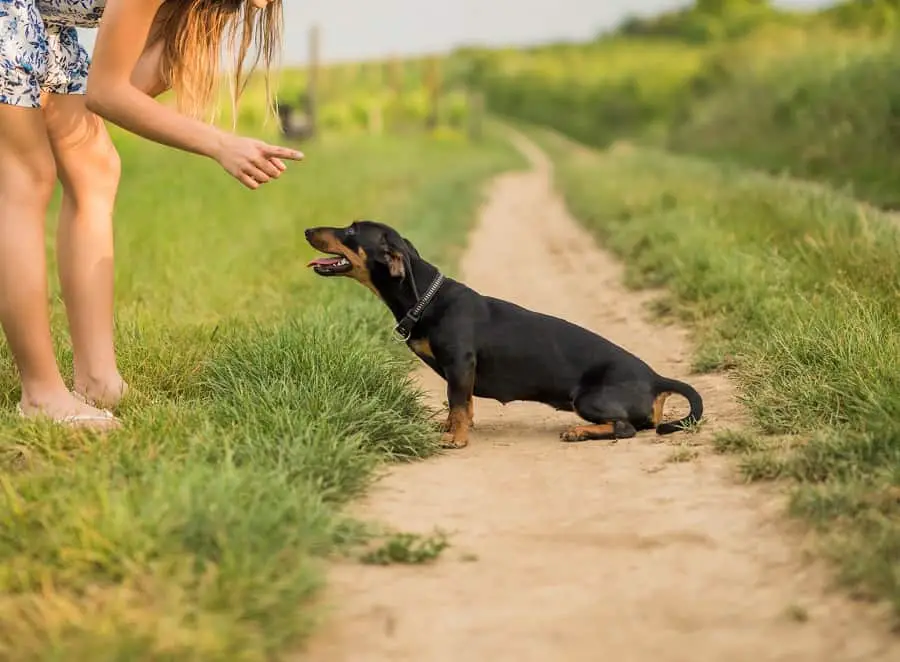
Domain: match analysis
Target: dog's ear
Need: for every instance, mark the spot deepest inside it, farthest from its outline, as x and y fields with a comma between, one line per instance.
x=395, y=255
x=410, y=248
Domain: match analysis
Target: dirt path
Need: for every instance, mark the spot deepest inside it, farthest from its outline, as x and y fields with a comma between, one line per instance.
x=593, y=551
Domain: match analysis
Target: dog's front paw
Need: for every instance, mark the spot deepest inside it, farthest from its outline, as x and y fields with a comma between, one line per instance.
x=447, y=425
x=450, y=440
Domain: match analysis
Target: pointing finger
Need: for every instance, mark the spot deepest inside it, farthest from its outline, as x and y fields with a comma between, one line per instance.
x=282, y=152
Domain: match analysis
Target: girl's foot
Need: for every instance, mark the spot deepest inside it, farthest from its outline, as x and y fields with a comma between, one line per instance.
x=104, y=393
x=66, y=409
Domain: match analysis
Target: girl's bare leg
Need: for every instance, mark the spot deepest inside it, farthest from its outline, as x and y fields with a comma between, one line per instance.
x=88, y=168
x=27, y=177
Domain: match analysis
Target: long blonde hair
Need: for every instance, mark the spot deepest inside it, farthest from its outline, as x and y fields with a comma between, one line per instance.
x=194, y=31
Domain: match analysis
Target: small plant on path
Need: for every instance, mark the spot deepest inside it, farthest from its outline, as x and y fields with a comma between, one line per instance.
x=408, y=548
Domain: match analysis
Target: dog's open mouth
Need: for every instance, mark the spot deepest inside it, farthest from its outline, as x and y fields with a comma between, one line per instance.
x=330, y=266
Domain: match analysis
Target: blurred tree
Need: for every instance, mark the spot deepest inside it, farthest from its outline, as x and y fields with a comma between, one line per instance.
x=725, y=7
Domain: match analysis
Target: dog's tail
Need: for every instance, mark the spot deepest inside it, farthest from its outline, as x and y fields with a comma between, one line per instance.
x=664, y=385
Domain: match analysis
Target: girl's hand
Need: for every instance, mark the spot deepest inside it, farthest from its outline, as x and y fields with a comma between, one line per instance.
x=253, y=162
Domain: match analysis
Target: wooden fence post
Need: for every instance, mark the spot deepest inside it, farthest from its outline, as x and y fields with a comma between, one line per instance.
x=433, y=85
x=476, y=113
x=312, y=82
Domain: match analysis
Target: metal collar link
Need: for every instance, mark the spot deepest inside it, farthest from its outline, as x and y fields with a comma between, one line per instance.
x=404, y=328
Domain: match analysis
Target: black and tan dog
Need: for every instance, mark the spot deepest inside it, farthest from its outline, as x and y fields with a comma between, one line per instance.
x=495, y=349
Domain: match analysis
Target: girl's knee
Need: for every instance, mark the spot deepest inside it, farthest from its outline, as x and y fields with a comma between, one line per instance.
x=94, y=176
x=28, y=180
x=107, y=167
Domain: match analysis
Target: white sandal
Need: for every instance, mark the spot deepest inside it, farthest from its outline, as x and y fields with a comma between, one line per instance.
x=75, y=420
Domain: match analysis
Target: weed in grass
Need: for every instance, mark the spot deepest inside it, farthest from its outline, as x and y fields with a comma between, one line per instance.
x=761, y=466
x=692, y=426
x=688, y=428
x=661, y=308
x=683, y=454
x=407, y=548
x=797, y=613
x=712, y=357
x=735, y=441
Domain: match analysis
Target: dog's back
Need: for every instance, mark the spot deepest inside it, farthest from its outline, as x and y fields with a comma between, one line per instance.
x=523, y=354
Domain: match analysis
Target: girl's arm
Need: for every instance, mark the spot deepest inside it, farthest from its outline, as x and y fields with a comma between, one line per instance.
x=112, y=95
x=147, y=74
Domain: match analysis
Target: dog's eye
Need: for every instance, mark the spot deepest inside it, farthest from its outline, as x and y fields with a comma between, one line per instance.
x=350, y=231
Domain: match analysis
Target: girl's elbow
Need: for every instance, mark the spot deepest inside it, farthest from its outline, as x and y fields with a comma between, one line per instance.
x=101, y=99
x=94, y=101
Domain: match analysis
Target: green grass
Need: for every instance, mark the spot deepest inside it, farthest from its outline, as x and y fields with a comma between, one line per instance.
x=829, y=113
x=811, y=93
x=407, y=548
x=371, y=97
x=593, y=92
x=794, y=287
x=264, y=401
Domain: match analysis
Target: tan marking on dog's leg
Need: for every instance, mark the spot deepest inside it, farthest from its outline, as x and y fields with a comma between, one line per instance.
x=583, y=432
x=470, y=410
x=658, y=404
x=457, y=435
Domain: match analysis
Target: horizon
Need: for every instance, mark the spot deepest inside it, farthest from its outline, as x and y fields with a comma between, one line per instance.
x=400, y=28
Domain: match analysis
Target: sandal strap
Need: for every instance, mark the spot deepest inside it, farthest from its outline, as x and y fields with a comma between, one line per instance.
x=82, y=398
x=104, y=415
x=84, y=418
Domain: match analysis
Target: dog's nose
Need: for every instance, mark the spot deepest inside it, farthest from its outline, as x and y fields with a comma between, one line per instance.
x=308, y=232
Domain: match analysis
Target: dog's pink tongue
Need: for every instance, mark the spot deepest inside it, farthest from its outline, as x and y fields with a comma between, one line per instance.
x=323, y=261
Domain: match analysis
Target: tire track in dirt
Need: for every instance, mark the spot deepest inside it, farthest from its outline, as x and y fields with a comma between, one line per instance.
x=592, y=551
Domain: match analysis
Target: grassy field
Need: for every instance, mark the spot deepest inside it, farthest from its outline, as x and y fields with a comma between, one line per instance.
x=373, y=96
x=810, y=93
x=594, y=92
x=793, y=288
x=264, y=400
x=829, y=112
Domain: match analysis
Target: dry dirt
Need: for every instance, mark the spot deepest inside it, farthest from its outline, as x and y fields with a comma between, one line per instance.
x=592, y=551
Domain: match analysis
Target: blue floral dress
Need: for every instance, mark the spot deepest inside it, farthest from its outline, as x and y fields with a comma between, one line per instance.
x=39, y=49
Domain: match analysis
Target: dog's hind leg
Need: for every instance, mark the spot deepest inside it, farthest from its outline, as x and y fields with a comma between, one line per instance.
x=610, y=431
x=608, y=416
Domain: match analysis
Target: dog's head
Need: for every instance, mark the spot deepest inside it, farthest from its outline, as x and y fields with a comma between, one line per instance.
x=373, y=253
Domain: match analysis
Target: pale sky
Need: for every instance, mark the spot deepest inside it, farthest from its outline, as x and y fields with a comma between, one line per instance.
x=358, y=29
